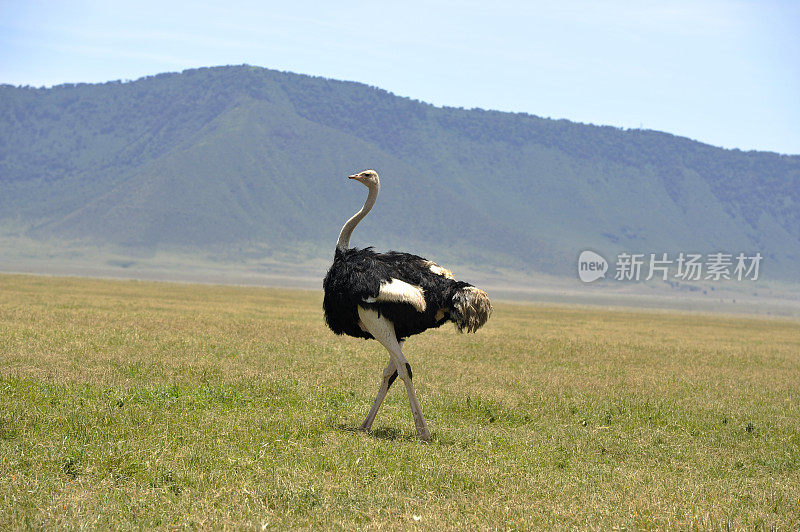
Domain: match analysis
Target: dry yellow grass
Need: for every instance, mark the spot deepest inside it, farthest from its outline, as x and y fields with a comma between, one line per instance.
x=133, y=404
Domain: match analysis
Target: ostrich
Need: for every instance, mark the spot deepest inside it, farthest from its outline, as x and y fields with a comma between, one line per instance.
x=391, y=296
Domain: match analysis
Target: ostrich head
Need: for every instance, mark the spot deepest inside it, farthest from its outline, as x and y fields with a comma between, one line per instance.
x=367, y=177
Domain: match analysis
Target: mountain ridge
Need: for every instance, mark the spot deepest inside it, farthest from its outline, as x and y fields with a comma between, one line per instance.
x=230, y=155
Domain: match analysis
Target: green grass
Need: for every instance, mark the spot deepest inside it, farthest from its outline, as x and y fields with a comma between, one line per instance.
x=133, y=404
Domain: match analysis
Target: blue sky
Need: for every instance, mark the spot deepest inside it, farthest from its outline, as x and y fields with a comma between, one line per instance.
x=723, y=72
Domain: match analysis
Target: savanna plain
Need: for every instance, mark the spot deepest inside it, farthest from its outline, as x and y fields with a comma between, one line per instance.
x=128, y=404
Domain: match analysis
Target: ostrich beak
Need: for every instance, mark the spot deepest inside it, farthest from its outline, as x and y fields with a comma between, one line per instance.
x=354, y=176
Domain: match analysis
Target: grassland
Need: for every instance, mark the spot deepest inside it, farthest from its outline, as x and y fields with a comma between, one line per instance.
x=128, y=404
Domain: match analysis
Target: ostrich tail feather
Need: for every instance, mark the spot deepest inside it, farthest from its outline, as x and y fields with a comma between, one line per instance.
x=471, y=309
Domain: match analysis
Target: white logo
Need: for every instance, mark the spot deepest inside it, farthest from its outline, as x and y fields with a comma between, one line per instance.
x=591, y=266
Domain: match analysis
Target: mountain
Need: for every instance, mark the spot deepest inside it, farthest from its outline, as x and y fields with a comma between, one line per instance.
x=240, y=157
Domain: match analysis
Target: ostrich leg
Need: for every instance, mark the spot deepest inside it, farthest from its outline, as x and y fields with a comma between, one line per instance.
x=383, y=331
x=389, y=375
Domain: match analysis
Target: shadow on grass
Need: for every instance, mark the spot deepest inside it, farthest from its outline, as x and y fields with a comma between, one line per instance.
x=392, y=434
x=382, y=433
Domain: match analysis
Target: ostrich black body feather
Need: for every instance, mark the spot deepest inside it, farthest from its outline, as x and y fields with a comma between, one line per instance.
x=357, y=274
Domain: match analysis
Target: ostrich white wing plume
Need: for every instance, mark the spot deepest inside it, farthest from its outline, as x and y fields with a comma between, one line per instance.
x=438, y=270
x=397, y=291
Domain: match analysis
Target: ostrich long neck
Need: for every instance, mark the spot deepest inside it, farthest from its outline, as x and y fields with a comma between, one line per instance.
x=347, y=230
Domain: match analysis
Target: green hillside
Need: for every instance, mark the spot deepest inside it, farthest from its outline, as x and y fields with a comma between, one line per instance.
x=221, y=158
